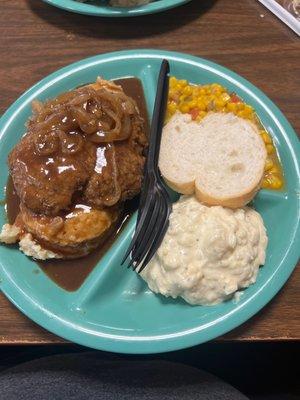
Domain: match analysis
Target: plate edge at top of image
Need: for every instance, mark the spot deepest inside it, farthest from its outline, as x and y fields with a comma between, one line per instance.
x=114, y=12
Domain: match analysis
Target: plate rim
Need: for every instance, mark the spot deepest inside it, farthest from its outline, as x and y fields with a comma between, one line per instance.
x=161, y=343
x=104, y=11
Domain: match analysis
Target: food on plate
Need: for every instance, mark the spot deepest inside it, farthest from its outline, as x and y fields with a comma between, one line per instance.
x=208, y=253
x=198, y=100
x=128, y=3
x=81, y=158
x=215, y=152
x=221, y=158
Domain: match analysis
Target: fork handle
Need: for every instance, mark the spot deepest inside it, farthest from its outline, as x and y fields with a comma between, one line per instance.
x=159, y=112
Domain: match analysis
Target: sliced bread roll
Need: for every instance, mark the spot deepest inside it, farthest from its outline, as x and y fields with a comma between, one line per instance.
x=221, y=159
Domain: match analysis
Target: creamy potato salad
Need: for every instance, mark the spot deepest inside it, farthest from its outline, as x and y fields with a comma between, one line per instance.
x=208, y=253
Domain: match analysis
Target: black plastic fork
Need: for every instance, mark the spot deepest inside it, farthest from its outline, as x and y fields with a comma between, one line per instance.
x=155, y=204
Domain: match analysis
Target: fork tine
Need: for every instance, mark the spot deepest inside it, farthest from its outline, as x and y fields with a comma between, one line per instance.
x=145, y=220
x=156, y=240
x=139, y=251
x=154, y=247
x=156, y=229
x=157, y=235
x=148, y=217
x=145, y=215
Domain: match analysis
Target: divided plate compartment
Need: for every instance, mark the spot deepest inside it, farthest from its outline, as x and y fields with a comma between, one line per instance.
x=113, y=309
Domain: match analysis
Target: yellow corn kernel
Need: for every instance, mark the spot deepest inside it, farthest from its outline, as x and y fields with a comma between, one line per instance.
x=201, y=115
x=242, y=114
x=266, y=183
x=274, y=170
x=201, y=105
x=231, y=107
x=276, y=182
x=183, y=82
x=239, y=106
x=225, y=97
x=248, y=109
x=172, y=108
x=184, y=108
x=219, y=103
x=193, y=103
x=187, y=91
x=269, y=164
x=266, y=138
x=216, y=92
x=216, y=86
x=270, y=148
x=172, y=83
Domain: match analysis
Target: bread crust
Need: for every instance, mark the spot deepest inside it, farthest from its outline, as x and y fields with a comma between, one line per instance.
x=183, y=188
x=234, y=202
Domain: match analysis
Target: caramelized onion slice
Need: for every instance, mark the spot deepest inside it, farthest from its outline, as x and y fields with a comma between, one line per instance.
x=46, y=143
x=113, y=198
x=128, y=104
x=61, y=119
x=70, y=143
x=87, y=123
x=121, y=131
x=80, y=99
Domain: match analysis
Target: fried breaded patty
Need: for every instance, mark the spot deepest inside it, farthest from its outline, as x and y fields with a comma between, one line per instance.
x=50, y=165
x=75, y=235
x=81, y=158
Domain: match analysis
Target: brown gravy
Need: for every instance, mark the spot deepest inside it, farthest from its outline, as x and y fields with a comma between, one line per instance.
x=12, y=201
x=70, y=274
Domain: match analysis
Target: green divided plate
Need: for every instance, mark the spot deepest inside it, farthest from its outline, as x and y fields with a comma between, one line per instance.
x=97, y=7
x=114, y=310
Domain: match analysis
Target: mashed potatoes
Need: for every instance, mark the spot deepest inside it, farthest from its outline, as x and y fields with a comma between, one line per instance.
x=33, y=249
x=128, y=3
x=11, y=234
x=208, y=253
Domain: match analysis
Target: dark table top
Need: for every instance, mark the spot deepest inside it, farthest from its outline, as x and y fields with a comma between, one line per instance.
x=36, y=39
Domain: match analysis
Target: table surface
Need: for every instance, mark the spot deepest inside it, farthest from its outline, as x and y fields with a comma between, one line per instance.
x=36, y=39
